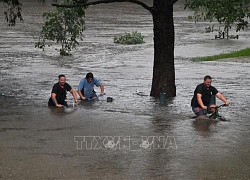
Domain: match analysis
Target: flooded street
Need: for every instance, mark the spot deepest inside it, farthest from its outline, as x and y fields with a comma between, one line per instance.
x=37, y=142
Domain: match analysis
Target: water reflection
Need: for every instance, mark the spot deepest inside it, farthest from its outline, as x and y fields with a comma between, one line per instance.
x=63, y=110
x=204, y=126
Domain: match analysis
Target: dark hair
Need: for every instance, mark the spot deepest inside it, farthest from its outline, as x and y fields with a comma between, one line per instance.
x=207, y=77
x=89, y=75
x=61, y=75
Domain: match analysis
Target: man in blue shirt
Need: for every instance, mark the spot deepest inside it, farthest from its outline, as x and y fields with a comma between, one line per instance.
x=86, y=87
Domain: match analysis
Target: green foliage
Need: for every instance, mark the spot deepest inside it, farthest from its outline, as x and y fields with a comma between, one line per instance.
x=226, y=12
x=63, y=26
x=240, y=53
x=130, y=38
x=12, y=11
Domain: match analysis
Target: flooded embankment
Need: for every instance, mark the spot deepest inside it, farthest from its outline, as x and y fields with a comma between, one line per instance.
x=42, y=143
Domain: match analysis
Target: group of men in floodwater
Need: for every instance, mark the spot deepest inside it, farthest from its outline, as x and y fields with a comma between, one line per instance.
x=202, y=103
x=85, y=90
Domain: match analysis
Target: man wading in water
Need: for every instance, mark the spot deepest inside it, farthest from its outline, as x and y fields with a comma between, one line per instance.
x=86, y=87
x=59, y=91
x=203, y=101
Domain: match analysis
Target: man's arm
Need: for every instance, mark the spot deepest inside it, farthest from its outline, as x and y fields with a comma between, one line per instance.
x=102, y=89
x=79, y=91
x=74, y=95
x=53, y=97
x=98, y=83
x=200, y=102
x=222, y=98
x=80, y=94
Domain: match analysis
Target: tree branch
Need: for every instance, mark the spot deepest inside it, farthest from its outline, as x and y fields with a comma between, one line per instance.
x=105, y=2
x=174, y=1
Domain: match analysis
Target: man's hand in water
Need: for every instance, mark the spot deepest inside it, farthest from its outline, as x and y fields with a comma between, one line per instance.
x=227, y=103
x=59, y=105
x=83, y=98
x=102, y=94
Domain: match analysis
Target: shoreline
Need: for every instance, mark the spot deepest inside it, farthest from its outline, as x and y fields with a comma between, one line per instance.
x=239, y=60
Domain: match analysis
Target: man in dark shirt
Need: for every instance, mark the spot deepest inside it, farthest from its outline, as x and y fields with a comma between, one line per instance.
x=59, y=91
x=204, y=97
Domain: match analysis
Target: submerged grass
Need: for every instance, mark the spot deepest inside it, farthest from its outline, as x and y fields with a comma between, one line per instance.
x=234, y=54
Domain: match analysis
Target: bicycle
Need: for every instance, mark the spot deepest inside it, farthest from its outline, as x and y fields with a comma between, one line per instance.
x=215, y=115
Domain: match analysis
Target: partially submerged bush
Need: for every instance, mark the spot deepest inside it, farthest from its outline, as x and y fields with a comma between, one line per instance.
x=130, y=38
x=63, y=26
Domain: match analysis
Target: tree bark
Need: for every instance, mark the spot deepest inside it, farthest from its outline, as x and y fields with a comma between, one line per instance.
x=163, y=70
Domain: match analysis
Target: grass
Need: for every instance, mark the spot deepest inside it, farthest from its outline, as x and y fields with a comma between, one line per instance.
x=234, y=54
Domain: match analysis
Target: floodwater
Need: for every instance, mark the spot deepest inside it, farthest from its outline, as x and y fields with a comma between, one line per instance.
x=42, y=143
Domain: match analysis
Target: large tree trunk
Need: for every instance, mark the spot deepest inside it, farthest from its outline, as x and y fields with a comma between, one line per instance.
x=163, y=71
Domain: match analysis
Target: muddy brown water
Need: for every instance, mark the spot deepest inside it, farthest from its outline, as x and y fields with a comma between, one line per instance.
x=42, y=143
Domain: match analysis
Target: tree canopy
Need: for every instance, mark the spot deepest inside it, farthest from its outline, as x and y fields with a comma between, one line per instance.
x=64, y=25
x=227, y=12
x=12, y=11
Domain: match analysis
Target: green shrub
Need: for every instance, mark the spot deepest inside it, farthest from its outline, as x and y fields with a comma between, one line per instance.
x=129, y=38
x=63, y=26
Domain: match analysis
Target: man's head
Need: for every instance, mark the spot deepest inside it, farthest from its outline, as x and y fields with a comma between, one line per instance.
x=62, y=79
x=89, y=77
x=207, y=81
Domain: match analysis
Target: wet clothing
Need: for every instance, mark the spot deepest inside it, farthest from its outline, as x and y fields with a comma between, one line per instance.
x=199, y=111
x=87, y=88
x=206, y=95
x=60, y=94
x=208, y=98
